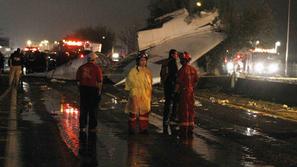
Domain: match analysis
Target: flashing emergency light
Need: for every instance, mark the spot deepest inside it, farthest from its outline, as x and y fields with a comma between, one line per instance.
x=230, y=67
x=73, y=43
x=259, y=67
x=261, y=50
x=273, y=68
x=33, y=49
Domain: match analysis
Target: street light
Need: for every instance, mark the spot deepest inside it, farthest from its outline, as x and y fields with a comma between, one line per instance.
x=288, y=38
x=29, y=43
x=257, y=42
x=199, y=4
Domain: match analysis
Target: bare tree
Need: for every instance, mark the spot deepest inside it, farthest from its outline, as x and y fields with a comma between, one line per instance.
x=247, y=21
x=128, y=37
x=99, y=34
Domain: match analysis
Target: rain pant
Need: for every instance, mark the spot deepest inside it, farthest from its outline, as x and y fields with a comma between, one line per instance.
x=139, y=85
x=14, y=75
x=186, y=82
x=168, y=76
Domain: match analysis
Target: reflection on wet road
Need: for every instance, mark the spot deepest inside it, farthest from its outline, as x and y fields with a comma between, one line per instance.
x=69, y=126
x=222, y=137
x=67, y=116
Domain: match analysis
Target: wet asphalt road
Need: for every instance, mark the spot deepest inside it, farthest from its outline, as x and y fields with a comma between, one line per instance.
x=47, y=134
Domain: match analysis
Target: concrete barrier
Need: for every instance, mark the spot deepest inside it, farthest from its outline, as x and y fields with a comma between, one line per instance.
x=278, y=92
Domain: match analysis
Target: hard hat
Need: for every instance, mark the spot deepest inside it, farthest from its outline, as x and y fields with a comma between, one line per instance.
x=142, y=54
x=92, y=57
x=186, y=56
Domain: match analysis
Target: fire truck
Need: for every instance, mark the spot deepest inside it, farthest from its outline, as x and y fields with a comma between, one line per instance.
x=78, y=46
x=256, y=61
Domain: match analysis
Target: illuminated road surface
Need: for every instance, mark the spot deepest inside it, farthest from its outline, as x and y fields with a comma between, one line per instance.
x=48, y=134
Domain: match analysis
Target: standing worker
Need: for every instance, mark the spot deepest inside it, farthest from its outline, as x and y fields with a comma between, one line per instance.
x=90, y=79
x=2, y=60
x=168, y=76
x=15, y=63
x=186, y=82
x=139, y=85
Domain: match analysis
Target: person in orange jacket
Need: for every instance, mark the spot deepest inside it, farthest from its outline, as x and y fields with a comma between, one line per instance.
x=187, y=79
x=90, y=79
x=139, y=85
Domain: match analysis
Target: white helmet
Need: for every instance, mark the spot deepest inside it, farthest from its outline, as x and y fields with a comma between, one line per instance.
x=92, y=57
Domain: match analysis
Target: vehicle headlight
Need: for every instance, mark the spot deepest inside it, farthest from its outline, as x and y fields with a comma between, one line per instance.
x=115, y=56
x=259, y=68
x=272, y=68
x=230, y=67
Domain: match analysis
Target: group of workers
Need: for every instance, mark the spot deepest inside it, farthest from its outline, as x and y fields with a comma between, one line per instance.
x=15, y=63
x=178, y=86
x=19, y=60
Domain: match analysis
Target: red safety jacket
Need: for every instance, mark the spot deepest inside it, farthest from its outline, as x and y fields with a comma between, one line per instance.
x=186, y=80
x=89, y=74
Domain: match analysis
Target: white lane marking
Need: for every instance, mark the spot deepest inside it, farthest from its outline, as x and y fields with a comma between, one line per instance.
x=5, y=93
x=11, y=151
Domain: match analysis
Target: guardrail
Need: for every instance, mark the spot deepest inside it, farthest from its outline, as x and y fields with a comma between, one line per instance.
x=278, y=91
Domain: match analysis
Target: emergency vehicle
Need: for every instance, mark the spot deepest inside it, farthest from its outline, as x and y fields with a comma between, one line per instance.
x=256, y=61
x=78, y=46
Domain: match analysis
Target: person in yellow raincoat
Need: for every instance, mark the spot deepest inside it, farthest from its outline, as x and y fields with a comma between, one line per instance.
x=139, y=85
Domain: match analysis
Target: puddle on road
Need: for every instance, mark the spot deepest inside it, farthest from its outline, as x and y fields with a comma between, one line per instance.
x=69, y=126
x=109, y=149
x=251, y=132
x=216, y=149
x=67, y=115
x=112, y=148
x=27, y=110
x=111, y=102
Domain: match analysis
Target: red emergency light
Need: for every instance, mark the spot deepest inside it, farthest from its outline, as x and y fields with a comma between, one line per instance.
x=32, y=49
x=73, y=43
x=69, y=108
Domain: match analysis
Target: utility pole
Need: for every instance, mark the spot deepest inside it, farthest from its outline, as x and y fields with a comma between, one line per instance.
x=288, y=38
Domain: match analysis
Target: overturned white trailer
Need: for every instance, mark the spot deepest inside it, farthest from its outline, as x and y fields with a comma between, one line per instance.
x=195, y=35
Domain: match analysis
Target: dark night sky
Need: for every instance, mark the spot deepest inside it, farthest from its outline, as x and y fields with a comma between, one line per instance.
x=52, y=19
x=280, y=11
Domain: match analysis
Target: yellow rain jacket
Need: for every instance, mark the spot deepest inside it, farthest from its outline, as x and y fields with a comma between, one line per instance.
x=139, y=85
